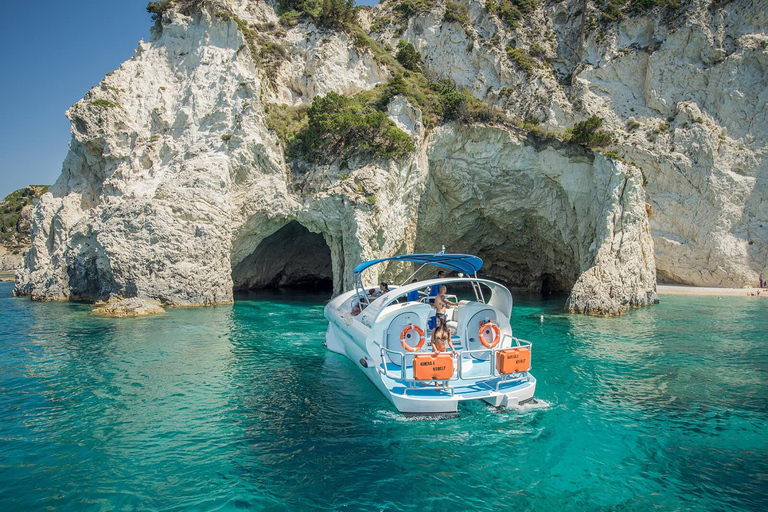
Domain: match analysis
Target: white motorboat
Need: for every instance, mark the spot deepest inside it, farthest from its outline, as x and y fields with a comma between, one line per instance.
x=389, y=339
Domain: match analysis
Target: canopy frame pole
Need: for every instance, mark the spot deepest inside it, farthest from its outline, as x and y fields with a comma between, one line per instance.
x=410, y=276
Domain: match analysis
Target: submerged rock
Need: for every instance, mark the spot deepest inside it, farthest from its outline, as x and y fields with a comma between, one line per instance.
x=129, y=308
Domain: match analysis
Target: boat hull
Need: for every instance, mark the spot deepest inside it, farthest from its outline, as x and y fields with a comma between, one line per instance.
x=426, y=400
x=371, y=340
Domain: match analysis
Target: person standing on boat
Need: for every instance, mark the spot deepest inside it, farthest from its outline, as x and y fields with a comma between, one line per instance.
x=414, y=295
x=434, y=290
x=441, y=305
x=441, y=336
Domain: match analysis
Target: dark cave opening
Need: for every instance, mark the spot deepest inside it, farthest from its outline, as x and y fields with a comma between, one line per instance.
x=290, y=257
x=549, y=284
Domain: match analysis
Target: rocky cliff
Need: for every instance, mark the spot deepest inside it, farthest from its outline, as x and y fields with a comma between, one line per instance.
x=196, y=167
x=15, y=224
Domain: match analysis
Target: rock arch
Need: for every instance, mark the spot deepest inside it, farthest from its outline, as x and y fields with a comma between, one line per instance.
x=291, y=256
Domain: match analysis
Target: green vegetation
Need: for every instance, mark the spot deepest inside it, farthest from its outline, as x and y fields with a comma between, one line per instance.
x=226, y=137
x=632, y=125
x=333, y=14
x=454, y=11
x=251, y=38
x=617, y=10
x=290, y=18
x=102, y=103
x=264, y=52
x=538, y=51
x=10, y=210
x=522, y=60
x=338, y=125
x=408, y=56
x=531, y=120
x=612, y=10
x=371, y=199
x=408, y=8
x=272, y=54
x=511, y=11
x=157, y=9
x=588, y=133
x=286, y=121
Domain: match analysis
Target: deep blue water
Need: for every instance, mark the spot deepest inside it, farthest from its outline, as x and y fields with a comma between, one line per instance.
x=241, y=407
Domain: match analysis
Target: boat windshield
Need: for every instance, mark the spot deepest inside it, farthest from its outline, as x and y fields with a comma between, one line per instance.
x=461, y=263
x=500, y=298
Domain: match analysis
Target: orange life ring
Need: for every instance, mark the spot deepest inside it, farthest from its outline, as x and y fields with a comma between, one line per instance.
x=482, y=333
x=405, y=333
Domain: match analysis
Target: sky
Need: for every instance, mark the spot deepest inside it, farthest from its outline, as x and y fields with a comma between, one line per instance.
x=51, y=56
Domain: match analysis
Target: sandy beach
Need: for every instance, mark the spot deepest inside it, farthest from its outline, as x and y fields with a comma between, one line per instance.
x=668, y=289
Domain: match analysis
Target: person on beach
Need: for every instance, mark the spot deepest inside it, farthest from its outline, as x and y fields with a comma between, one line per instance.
x=441, y=337
x=441, y=304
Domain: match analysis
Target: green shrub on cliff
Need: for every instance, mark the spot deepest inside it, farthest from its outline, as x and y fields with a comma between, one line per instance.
x=408, y=8
x=588, y=133
x=511, y=11
x=102, y=103
x=286, y=121
x=157, y=9
x=335, y=14
x=408, y=56
x=454, y=11
x=339, y=126
x=10, y=210
x=522, y=60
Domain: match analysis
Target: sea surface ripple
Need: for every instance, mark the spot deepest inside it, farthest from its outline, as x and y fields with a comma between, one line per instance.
x=241, y=407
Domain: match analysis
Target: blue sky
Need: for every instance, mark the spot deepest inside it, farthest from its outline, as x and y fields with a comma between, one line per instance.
x=51, y=55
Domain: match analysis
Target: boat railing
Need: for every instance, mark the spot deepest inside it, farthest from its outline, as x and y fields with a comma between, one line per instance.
x=459, y=357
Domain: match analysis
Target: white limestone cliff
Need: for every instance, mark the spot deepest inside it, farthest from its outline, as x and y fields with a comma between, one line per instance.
x=176, y=190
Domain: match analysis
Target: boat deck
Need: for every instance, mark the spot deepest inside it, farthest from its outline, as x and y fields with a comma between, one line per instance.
x=463, y=389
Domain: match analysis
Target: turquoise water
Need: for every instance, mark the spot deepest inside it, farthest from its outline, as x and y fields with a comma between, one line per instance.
x=242, y=408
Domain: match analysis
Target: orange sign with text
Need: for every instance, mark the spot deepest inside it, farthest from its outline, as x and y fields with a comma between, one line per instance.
x=433, y=366
x=513, y=360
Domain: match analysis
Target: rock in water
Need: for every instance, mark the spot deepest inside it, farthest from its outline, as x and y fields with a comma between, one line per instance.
x=177, y=186
x=129, y=308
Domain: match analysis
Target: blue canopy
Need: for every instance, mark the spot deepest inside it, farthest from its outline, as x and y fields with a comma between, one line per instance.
x=465, y=263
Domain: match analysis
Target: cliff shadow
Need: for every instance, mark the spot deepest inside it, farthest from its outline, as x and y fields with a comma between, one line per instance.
x=292, y=256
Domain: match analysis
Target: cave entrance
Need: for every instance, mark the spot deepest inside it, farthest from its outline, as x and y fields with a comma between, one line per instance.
x=549, y=284
x=290, y=257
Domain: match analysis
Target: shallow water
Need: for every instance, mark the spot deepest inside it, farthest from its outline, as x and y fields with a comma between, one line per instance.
x=241, y=407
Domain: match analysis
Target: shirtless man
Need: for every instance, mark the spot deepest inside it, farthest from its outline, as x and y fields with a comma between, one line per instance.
x=441, y=304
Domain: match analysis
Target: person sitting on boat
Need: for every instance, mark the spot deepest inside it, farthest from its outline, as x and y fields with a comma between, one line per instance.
x=383, y=288
x=413, y=296
x=356, y=310
x=372, y=293
x=441, y=337
x=441, y=304
x=434, y=290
